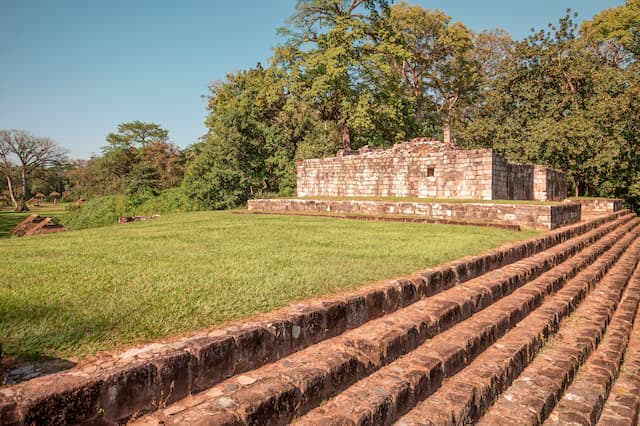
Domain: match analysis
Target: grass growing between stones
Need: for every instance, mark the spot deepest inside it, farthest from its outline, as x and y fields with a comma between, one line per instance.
x=73, y=294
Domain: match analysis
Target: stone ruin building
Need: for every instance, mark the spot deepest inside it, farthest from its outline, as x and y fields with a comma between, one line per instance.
x=427, y=168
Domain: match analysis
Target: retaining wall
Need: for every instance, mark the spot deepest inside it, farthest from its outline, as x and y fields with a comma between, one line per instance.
x=596, y=207
x=534, y=216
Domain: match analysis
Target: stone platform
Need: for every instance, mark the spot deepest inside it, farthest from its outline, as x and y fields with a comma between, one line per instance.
x=532, y=216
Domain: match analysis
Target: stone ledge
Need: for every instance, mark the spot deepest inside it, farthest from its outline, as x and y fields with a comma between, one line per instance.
x=598, y=206
x=145, y=379
x=535, y=216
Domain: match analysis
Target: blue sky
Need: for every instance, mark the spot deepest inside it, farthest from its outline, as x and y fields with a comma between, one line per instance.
x=73, y=69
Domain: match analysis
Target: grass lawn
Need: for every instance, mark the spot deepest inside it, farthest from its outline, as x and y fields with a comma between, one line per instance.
x=429, y=200
x=9, y=219
x=73, y=294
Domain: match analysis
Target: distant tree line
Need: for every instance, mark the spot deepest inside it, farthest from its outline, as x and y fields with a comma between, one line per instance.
x=367, y=72
x=138, y=160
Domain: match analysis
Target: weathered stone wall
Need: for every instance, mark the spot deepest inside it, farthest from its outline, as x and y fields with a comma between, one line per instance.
x=599, y=206
x=427, y=169
x=520, y=184
x=534, y=216
x=500, y=178
x=549, y=184
x=446, y=174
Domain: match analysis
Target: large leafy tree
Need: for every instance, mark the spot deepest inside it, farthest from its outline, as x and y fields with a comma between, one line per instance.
x=336, y=67
x=477, y=127
x=556, y=100
x=138, y=159
x=615, y=33
x=437, y=67
x=251, y=142
x=137, y=134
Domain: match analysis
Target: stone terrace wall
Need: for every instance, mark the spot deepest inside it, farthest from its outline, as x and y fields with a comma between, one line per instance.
x=399, y=173
x=533, y=216
x=599, y=206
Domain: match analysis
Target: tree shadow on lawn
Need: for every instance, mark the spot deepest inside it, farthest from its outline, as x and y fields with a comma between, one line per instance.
x=8, y=221
x=29, y=355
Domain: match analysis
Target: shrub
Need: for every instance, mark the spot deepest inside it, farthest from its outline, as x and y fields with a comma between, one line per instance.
x=168, y=201
x=101, y=211
x=104, y=211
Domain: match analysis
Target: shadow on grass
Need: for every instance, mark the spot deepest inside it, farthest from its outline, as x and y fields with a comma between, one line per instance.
x=9, y=220
x=39, y=325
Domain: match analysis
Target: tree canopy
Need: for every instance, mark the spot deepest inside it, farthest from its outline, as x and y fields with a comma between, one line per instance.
x=351, y=73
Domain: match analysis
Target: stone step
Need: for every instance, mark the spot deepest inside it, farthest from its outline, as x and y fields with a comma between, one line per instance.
x=276, y=393
x=533, y=395
x=622, y=406
x=393, y=390
x=467, y=395
x=583, y=400
x=117, y=387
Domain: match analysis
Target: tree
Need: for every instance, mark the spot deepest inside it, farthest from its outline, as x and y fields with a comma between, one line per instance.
x=437, y=65
x=615, y=33
x=556, y=100
x=336, y=68
x=478, y=122
x=137, y=133
x=30, y=153
x=167, y=161
x=7, y=167
x=251, y=142
x=135, y=142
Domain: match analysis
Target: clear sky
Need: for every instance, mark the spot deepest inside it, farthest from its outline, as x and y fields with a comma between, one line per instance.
x=73, y=69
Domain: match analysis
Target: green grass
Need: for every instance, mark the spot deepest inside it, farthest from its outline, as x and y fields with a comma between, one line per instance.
x=429, y=200
x=9, y=219
x=591, y=198
x=73, y=294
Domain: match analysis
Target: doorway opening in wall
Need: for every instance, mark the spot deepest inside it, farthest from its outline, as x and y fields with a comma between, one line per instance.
x=431, y=171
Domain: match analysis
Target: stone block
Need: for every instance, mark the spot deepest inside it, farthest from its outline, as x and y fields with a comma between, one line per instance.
x=127, y=391
x=215, y=360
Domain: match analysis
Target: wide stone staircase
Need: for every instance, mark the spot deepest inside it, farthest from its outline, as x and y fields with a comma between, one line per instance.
x=541, y=331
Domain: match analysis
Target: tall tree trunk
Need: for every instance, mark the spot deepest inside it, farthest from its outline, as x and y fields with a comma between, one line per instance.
x=25, y=186
x=22, y=206
x=12, y=194
x=346, y=137
x=446, y=131
x=448, y=107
